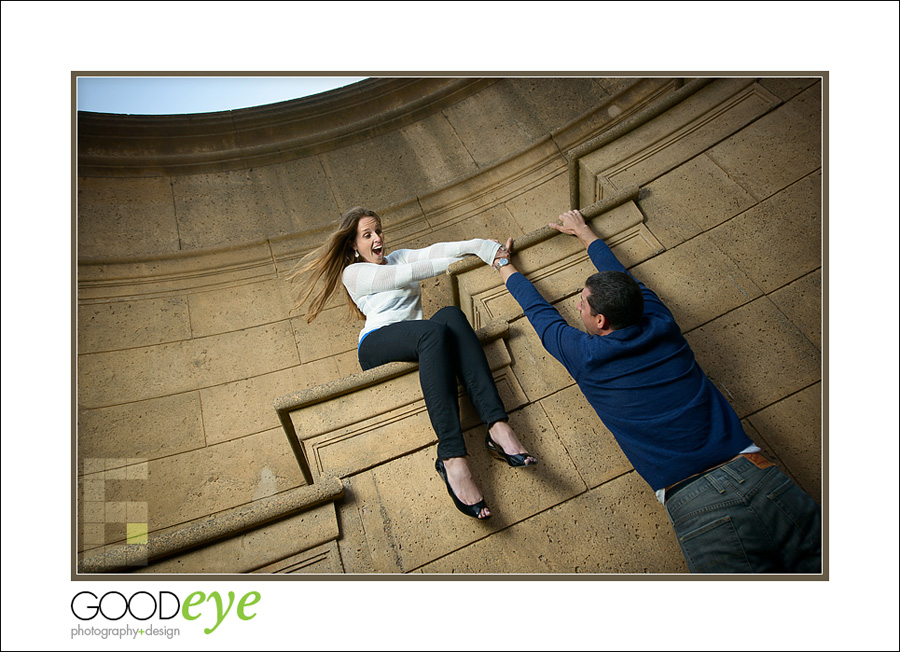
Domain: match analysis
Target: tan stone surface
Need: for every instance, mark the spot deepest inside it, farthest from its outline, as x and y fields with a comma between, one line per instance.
x=540, y=206
x=808, y=105
x=238, y=306
x=126, y=324
x=618, y=527
x=143, y=546
x=496, y=223
x=792, y=427
x=347, y=363
x=553, y=101
x=397, y=165
x=409, y=519
x=697, y=282
x=333, y=331
x=437, y=293
x=613, y=85
x=307, y=195
x=691, y=199
x=779, y=240
x=628, y=98
x=633, y=246
x=397, y=432
x=371, y=442
x=503, y=180
x=230, y=207
x=263, y=546
x=488, y=139
x=244, y=407
x=130, y=217
x=778, y=149
x=148, y=372
x=588, y=442
x=538, y=372
x=184, y=487
x=787, y=87
x=146, y=429
x=801, y=302
x=755, y=356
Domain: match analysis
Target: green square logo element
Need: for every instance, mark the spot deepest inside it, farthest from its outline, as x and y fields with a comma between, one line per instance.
x=136, y=533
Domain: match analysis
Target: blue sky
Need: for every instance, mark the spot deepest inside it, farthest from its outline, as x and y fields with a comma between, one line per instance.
x=173, y=95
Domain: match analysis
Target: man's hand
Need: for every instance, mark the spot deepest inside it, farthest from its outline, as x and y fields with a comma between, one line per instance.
x=505, y=251
x=572, y=223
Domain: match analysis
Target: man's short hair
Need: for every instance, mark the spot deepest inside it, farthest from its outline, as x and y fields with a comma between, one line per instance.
x=616, y=296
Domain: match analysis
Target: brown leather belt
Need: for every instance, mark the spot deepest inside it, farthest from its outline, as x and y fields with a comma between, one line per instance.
x=758, y=460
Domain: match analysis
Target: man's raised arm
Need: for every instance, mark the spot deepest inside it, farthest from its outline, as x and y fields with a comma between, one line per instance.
x=560, y=339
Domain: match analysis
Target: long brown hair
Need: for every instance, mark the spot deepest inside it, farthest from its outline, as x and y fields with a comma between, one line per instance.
x=327, y=263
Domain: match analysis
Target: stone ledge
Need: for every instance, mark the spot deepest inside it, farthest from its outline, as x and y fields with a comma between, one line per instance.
x=537, y=236
x=125, y=557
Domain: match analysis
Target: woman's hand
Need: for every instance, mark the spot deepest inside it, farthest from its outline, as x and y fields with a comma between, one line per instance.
x=505, y=251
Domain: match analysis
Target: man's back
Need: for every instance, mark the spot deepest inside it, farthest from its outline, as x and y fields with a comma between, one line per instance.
x=644, y=384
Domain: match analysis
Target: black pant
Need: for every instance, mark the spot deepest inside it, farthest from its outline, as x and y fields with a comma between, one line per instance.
x=446, y=348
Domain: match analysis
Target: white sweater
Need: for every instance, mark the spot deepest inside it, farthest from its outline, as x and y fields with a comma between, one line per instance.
x=390, y=293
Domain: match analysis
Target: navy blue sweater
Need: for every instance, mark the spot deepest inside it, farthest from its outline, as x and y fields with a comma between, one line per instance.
x=668, y=418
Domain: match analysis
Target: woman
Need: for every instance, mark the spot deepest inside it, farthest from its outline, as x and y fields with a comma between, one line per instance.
x=384, y=289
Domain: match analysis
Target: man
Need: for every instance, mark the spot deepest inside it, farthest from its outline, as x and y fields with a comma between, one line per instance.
x=733, y=510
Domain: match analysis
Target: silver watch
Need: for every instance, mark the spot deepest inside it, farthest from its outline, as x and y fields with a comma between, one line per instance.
x=500, y=263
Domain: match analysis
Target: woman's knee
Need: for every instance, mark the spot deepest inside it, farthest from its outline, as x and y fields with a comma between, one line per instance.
x=433, y=335
x=450, y=311
x=453, y=317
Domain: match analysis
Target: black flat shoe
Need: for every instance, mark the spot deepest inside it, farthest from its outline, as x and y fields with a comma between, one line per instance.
x=513, y=460
x=468, y=510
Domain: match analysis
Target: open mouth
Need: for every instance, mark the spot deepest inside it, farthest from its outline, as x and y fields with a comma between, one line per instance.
x=377, y=250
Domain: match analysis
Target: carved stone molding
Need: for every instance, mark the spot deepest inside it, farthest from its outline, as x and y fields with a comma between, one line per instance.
x=713, y=113
x=123, y=145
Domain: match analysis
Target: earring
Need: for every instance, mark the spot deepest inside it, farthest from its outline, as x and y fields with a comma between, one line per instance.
x=356, y=254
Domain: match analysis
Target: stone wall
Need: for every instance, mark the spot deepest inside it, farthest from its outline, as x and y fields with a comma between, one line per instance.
x=189, y=226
